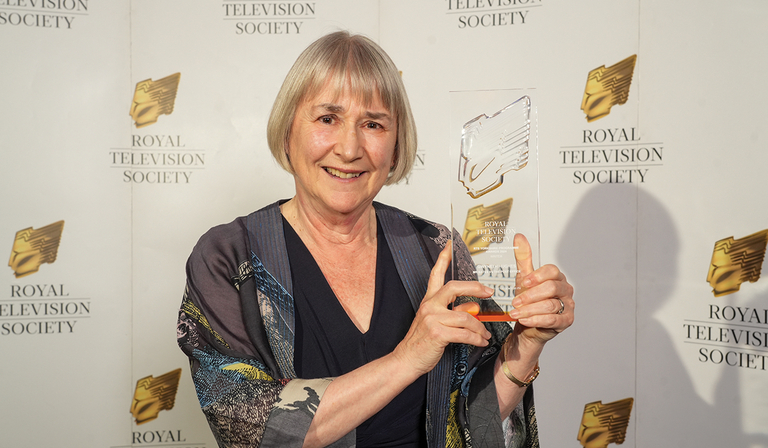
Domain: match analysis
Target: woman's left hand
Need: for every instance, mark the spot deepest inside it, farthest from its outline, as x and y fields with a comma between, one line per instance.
x=544, y=303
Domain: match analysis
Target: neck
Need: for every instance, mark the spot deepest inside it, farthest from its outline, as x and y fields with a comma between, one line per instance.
x=323, y=227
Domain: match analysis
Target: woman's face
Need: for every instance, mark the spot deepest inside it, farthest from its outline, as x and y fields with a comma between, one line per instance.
x=341, y=151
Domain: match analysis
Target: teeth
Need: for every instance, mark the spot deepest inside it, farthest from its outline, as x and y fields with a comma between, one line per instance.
x=342, y=175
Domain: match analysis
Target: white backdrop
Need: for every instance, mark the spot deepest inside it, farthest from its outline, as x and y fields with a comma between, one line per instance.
x=648, y=325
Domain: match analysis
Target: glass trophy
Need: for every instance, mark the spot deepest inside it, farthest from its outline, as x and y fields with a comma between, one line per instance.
x=494, y=189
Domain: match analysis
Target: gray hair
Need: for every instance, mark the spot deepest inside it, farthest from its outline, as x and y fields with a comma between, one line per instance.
x=340, y=59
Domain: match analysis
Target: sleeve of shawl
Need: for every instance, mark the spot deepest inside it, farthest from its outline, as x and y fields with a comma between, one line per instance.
x=484, y=423
x=246, y=403
x=480, y=415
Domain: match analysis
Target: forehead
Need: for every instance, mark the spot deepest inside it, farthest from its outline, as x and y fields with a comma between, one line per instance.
x=336, y=86
x=344, y=99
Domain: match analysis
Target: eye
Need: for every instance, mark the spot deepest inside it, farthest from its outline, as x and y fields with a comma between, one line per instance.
x=373, y=125
x=327, y=119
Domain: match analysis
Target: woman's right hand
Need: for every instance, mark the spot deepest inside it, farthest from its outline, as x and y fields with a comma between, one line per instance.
x=435, y=325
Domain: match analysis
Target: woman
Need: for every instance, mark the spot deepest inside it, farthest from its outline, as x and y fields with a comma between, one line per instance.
x=325, y=319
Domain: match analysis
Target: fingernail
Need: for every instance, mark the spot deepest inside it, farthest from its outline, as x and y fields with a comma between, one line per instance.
x=527, y=282
x=474, y=309
x=514, y=314
x=517, y=302
x=488, y=290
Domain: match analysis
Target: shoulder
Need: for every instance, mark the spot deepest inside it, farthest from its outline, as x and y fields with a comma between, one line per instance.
x=222, y=238
x=219, y=252
x=230, y=241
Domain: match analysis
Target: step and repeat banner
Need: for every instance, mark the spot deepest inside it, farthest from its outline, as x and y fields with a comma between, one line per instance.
x=129, y=128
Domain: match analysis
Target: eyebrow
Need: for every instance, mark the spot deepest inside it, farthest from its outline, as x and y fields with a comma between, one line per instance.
x=331, y=107
x=337, y=108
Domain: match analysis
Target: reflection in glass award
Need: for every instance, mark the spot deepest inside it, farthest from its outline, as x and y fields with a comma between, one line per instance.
x=494, y=187
x=493, y=146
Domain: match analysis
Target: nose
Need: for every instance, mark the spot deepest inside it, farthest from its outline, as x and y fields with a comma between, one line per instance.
x=350, y=144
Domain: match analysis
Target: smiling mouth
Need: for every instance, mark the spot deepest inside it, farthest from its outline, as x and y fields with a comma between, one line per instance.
x=341, y=174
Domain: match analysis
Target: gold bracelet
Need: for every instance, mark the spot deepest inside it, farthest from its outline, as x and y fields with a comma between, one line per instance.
x=509, y=375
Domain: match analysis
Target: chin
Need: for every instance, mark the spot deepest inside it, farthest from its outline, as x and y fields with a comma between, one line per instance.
x=348, y=205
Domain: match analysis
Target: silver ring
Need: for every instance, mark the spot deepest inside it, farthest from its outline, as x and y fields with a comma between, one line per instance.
x=562, y=307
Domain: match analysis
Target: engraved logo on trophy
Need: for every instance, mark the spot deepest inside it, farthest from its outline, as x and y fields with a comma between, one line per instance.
x=153, y=395
x=607, y=87
x=486, y=225
x=33, y=247
x=736, y=261
x=602, y=424
x=493, y=146
x=154, y=98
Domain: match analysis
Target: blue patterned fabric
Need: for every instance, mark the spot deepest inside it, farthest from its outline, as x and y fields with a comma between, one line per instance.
x=237, y=326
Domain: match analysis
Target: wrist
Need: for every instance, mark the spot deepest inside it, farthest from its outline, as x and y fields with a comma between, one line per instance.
x=409, y=368
x=520, y=370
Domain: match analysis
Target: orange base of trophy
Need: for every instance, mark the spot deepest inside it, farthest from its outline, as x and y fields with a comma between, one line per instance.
x=493, y=316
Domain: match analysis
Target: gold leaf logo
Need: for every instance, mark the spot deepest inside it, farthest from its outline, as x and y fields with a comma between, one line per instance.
x=485, y=225
x=736, y=261
x=607, y=87
x=153, y=395
x=603, y=424
x=33, y=247
x=154, y=98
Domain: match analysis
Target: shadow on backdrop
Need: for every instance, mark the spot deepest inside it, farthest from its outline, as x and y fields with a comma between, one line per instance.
x=620, y=249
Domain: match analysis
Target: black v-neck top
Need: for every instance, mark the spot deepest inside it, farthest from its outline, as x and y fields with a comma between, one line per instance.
x=328, y=344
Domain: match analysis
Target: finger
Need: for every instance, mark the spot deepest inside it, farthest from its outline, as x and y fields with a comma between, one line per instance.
x=548, y=289
x=551, y=321
x=550, y=306
x=462, y=318
x=437, y=275
x=448, y=293
x=544, y=274
x=460, y=335
x=523, y=256
x=472, y=308
x=545, y=313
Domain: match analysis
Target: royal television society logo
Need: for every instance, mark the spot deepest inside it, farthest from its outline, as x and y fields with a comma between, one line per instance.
x=472, y=14
x=39, y=308
x=607, y=87
x=736, y=261
x=603, y=424
x=269, y=18
x=53, y=14
x=486, y=225
x=612, y=154
x=156, y=158
x=735, y=335
x=493, y=146
x=34, y=247
x=154, y=98
x=153, y=395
